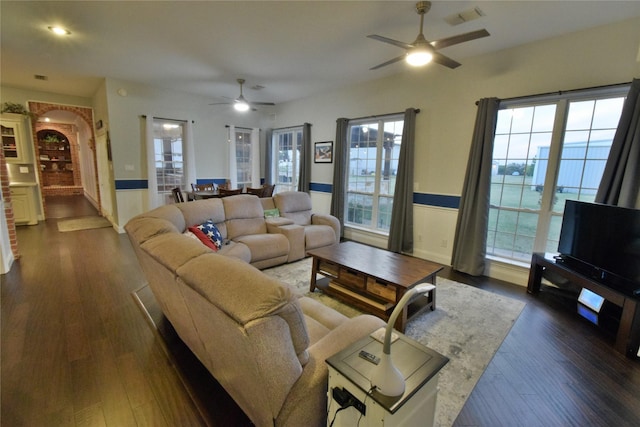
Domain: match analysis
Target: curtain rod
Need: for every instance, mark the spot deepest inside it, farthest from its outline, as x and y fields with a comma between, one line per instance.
x=240, y=127
x=382, y=115
x=171, y=120
x=562, y=92
x=293, y=127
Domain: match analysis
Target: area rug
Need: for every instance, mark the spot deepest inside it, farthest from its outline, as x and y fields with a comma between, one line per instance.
x=83, y=223
x=468, y=326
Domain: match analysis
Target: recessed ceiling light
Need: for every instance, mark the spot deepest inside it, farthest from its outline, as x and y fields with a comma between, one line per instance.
x=59, y=31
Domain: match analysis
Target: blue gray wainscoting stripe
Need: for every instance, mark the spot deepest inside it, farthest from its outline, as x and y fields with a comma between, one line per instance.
x=131, y=184
x=437, y=200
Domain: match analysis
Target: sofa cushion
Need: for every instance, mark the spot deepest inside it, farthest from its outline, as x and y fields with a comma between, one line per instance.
x=236, y=250
x=295, y=205
x=246, y=294
x=265, y=246
x=244, y=215
x=169, y=213
x=208, y=233
x=199, y=211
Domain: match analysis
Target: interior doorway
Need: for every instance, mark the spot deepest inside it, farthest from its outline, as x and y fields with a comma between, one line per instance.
x=65, y=173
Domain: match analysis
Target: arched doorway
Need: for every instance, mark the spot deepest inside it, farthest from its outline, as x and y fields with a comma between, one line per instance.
x=72, y=169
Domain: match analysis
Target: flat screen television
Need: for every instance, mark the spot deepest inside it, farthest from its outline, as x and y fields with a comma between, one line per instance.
x=602, y=242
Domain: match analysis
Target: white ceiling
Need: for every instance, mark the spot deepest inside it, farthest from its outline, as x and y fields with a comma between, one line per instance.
x=292, y=48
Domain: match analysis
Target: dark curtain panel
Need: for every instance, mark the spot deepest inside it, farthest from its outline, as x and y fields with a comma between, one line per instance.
x=401, y=230
x=268, y=157
x=340, y=169
x=470, y=242
x=620, y=183
x=304, y=182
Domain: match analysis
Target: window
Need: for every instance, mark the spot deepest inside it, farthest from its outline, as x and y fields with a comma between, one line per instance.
x=374, y=149
x=544, y=154
x=243, y=158
x=287, y=144
x=168, y=149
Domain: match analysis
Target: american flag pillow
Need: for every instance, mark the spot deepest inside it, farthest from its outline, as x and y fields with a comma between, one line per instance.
x=208, y=234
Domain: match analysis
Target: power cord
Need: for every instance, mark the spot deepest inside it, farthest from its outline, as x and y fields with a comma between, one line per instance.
x=344, y=404
x=365, y=402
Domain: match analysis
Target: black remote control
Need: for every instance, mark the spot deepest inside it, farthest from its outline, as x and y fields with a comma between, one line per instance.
x=369, y=357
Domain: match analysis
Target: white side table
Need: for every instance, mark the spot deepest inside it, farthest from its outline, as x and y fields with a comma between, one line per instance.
x=349, y=376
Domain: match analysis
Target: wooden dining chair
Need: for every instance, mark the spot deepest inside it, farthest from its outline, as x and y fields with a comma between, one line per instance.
x=267, y=190
x=256, y=191
x=177, y=195
x=225, y=186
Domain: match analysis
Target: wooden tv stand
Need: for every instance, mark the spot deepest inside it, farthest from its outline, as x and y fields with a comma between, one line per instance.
x=628, y=335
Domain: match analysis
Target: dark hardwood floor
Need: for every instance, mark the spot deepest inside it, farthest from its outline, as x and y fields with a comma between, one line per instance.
x=77, y=350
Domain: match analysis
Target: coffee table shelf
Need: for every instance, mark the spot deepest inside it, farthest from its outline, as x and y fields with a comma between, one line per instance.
x=373, y=279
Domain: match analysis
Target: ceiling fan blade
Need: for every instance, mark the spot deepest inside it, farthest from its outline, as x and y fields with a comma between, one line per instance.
x=261, y=103
x=445, y=60
x=220, y=103
x=460, y=38
x=389, y=62
x=390, y=41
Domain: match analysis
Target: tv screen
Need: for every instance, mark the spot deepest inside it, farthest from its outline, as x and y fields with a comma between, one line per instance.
x=603, y=241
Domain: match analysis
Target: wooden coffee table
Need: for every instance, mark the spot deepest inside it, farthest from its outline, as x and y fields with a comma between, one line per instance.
x=373, y=279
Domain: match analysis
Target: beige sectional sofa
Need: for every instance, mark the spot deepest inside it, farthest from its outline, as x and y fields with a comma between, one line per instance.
x=265, y=343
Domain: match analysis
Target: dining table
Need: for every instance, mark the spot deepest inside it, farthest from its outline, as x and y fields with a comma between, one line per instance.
x=204, y=194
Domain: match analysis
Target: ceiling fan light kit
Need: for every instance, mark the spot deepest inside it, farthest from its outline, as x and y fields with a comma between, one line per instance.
x=422, y=51
x=240, y=103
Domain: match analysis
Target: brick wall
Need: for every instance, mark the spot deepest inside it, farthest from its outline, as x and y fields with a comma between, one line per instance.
x=8, y=212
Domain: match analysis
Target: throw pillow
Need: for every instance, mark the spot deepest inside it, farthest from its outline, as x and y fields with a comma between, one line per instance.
x=208, y=233
x=271, y=213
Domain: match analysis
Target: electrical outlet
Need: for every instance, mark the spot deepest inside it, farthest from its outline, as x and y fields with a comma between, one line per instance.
x=444, y=243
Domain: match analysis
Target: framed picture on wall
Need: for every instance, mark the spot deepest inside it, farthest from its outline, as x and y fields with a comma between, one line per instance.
x=323, y=152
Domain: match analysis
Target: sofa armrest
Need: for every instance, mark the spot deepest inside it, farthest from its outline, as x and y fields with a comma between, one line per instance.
x=344, y=335
x=330, y=220
x=306, y=403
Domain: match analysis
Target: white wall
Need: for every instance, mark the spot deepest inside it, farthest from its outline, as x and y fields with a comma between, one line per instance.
x=126, y=130
x=446, y=98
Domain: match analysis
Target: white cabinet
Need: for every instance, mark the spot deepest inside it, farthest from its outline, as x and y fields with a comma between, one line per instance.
x=23, y=204
x=15, y=144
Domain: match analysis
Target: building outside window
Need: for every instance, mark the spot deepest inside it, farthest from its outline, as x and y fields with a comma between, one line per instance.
x=168, y=155
x=287, y=145
x=546, y=152
x=374, y=150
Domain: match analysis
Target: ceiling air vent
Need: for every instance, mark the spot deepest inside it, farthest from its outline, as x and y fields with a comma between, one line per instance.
x=466, y=16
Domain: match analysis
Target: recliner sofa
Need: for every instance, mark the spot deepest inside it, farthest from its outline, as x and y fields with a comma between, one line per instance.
x=262, y=341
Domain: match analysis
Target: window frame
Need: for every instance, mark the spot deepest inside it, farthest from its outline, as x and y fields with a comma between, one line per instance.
x=277, y=135
x=547, y=216
x=244, y=159
x=166, y=140
x=378, y=195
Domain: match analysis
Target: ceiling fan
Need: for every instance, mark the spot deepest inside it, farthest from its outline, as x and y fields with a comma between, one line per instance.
x=241, y=103
x=421, y=51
